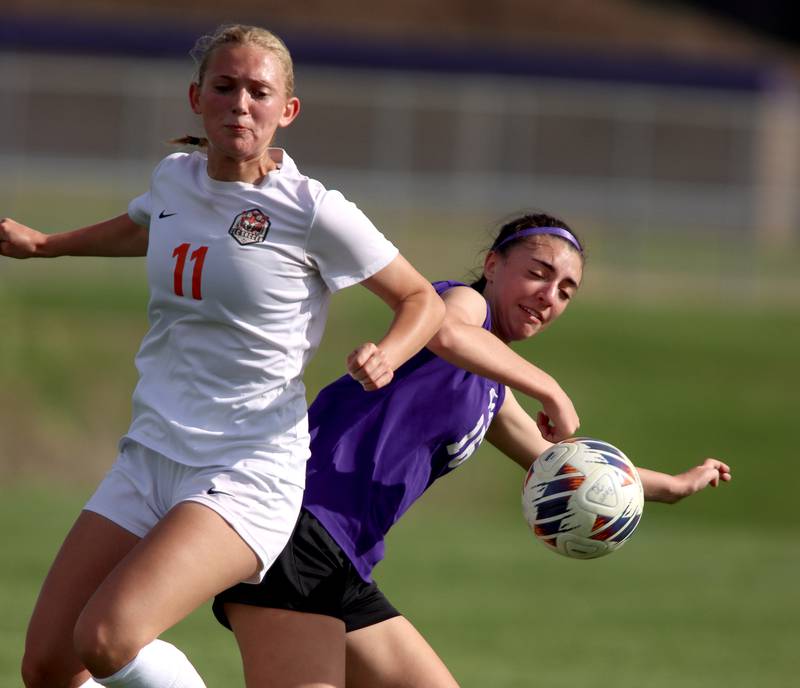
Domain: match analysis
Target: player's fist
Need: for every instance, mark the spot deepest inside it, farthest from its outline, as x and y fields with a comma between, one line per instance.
x=558, y=420
x=19, y=241
x=368, y=365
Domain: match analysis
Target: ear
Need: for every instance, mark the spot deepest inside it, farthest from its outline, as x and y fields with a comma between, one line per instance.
x=290, y=112
x=490, y=265
x=194, y=97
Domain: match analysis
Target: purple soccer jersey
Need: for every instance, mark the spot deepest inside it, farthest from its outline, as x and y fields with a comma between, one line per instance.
x=373, y=454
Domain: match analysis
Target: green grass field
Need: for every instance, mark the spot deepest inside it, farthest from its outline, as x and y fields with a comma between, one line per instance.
x=702, y=596
x=690, y=604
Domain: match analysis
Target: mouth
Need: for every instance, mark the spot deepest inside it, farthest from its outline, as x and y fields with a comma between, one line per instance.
x=533, y=315
x=236, y=128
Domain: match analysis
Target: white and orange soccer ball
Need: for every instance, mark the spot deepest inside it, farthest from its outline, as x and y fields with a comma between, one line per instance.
x=583, y=498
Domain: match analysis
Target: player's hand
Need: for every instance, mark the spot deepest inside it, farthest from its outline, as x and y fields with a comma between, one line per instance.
x=558, y=420
x=19, y=241
x=368, y=365
x=711, y=472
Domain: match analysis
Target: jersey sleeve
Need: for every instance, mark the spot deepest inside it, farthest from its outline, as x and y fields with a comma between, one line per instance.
x=139, y=209
x=344, y=244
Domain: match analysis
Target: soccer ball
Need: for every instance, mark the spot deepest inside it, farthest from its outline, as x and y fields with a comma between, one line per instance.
x=583, y=498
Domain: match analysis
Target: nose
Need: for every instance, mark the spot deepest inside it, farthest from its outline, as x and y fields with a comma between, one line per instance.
x=547, y=294
x=241, y=101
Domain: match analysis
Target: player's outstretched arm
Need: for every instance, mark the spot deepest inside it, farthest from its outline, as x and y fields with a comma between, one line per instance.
x=418, y=313
x=119, y=236
x=519, y=437
x=516, y=434
x=662, y=487
x=462, y=341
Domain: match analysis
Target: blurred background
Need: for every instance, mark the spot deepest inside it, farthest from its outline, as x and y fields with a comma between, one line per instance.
x=666, y=133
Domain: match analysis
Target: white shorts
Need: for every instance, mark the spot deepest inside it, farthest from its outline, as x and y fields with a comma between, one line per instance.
x=143, y=485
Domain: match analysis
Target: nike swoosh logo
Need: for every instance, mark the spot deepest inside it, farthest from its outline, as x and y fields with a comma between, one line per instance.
x=164, y=214
x=213, y=491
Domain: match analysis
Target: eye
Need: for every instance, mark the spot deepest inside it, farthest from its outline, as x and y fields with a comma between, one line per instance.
x=259, y=95
x=537, y=274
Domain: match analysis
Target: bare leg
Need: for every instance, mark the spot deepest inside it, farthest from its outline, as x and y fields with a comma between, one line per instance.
x=90, y=551
x=284, y=649
x=393, y=654
x=190, y=555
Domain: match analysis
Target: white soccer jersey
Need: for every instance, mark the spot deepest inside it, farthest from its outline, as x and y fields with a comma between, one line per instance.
x=240, y=276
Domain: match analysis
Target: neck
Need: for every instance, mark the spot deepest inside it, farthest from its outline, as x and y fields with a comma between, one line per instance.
x=224, y=168
x=489, y=296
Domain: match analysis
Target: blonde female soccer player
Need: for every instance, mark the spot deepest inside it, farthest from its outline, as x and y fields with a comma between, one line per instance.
x=318, y=618
x=243, y=252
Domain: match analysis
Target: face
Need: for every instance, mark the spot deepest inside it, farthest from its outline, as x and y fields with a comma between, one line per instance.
x=531, y=285
x=242, y=101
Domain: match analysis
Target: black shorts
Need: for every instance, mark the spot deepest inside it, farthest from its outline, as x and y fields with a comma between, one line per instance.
x=313, y=575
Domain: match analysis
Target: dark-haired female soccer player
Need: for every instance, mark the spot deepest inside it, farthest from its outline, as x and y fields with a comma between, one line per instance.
x=318, y=619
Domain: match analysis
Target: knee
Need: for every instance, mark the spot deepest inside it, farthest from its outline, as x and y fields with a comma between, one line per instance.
x=44, y=672
x=101, y=648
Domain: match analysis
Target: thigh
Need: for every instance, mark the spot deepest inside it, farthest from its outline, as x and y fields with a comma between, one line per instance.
x=90, y=551
x=288, y=649
x=190, y=555
x=309, y=575
x=393, y=654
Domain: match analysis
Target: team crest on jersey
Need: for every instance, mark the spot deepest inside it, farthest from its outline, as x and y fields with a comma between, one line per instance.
x=250, y=227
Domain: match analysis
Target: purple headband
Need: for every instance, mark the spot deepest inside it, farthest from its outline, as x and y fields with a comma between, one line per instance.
x=530, y=231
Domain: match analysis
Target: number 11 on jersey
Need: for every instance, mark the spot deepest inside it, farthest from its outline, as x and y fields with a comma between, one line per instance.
x=197, y=257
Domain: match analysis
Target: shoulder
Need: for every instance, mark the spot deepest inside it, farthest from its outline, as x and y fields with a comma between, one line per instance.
x=330, y=204
x=335, y=215
x=181, y=159
x=306, y=192
x=463, y=303
x=179, y=163
x=308, y=189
